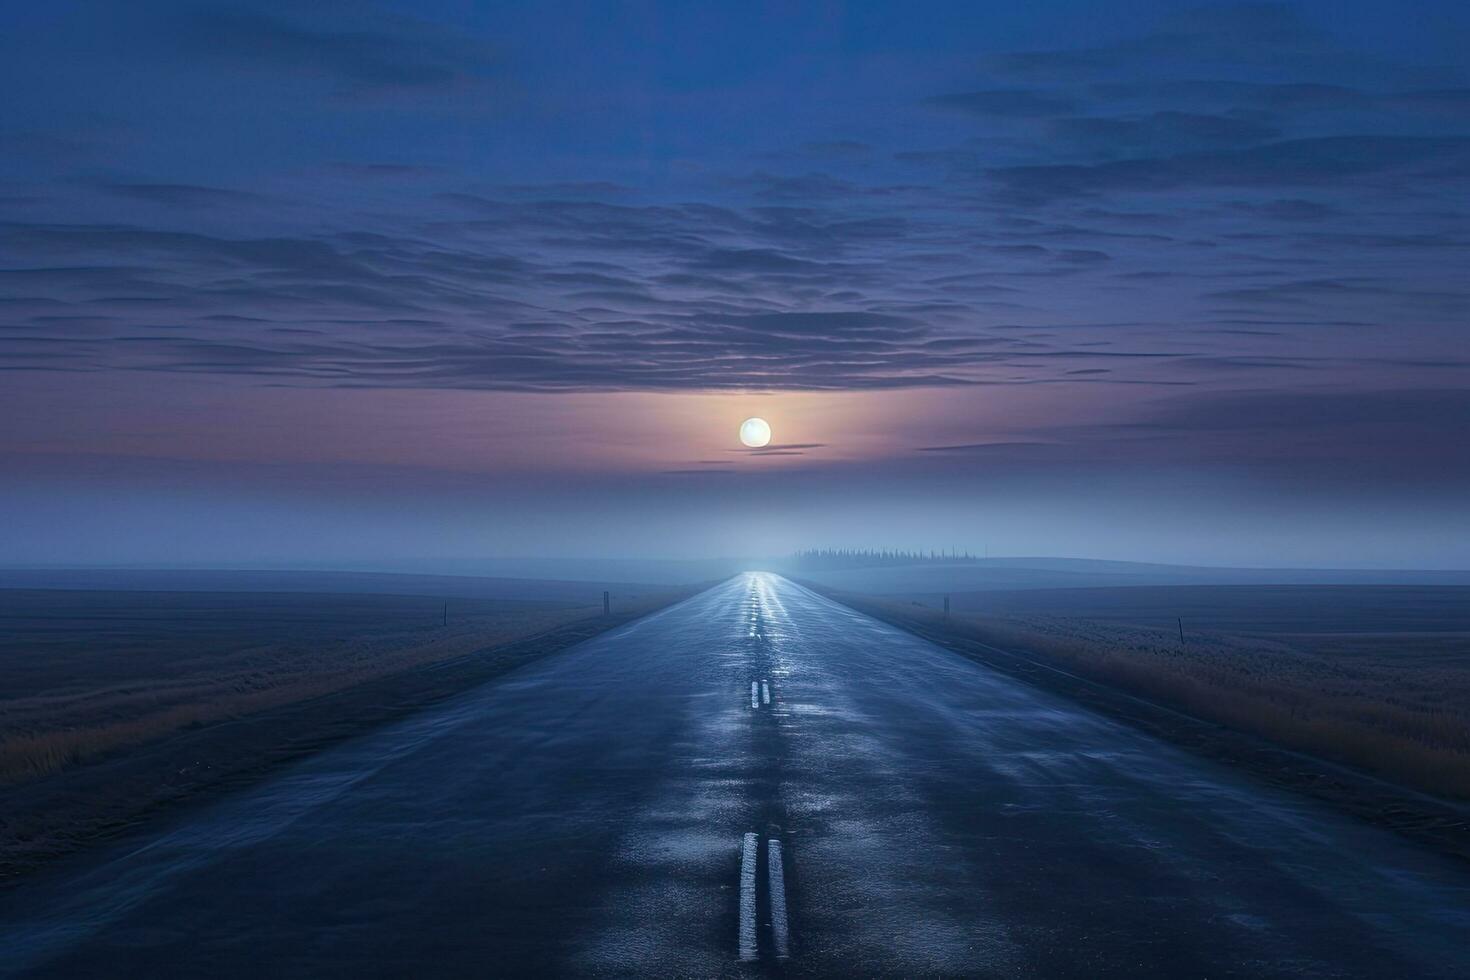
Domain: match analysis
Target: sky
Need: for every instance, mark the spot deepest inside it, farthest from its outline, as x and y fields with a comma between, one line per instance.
x=363, y=283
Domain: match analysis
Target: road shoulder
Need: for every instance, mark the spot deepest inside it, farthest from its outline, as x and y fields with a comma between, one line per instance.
x=1440, y=824
x=78, y=809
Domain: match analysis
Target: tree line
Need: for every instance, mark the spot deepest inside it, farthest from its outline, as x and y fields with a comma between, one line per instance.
x=863, y=557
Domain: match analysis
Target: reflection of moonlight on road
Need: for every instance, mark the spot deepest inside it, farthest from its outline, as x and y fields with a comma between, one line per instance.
x=755, y=433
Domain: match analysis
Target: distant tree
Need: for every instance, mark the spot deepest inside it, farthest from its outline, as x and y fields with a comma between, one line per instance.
x=829, y=558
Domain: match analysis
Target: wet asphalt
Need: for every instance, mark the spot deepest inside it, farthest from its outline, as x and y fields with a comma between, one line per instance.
x=587, y=815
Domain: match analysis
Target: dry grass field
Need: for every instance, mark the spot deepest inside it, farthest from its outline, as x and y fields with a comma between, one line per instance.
x=117, y=704
x=88, y=674
x=1373, y=677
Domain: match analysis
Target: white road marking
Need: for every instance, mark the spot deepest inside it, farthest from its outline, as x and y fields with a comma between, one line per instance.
x=776, y=883
x=765, y=692
x=755, y=695
x=747, y=897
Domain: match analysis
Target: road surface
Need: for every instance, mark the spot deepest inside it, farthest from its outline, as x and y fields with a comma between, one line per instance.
x=755, y=781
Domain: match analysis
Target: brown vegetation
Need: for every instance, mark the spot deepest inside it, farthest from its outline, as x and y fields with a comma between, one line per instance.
x=1397, y=706
x=82, y=707
x=118, y=706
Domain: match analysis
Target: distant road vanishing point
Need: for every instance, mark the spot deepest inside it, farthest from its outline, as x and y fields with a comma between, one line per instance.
x=756, y=780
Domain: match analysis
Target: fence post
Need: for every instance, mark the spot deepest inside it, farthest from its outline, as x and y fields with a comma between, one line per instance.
x=606, y=603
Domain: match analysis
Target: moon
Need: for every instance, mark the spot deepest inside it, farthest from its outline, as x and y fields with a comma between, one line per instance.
x=755, y=433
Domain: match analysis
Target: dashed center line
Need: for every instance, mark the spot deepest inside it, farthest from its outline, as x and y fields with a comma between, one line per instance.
x=766, y=692
x=748, y=855
x=780, y=935
x=776, y=885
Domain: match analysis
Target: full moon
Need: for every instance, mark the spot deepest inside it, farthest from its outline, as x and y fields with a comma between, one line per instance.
x=755, y=433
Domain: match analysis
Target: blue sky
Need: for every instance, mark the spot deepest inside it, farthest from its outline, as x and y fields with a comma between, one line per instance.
x=980, y=254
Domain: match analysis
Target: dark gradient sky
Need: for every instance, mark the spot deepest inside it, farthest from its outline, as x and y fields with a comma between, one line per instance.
x=339, y=282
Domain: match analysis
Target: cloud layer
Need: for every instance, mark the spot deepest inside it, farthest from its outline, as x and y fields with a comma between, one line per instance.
x=1238, y=208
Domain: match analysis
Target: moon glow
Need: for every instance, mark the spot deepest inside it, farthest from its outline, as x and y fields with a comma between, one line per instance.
x=755, y=433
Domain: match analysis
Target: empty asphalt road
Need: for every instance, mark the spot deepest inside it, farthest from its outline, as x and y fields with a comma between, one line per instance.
x=756, y=780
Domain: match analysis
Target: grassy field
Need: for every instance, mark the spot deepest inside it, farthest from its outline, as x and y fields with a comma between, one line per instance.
x=91, y=673
x=115, y=704
x=1376, y=677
